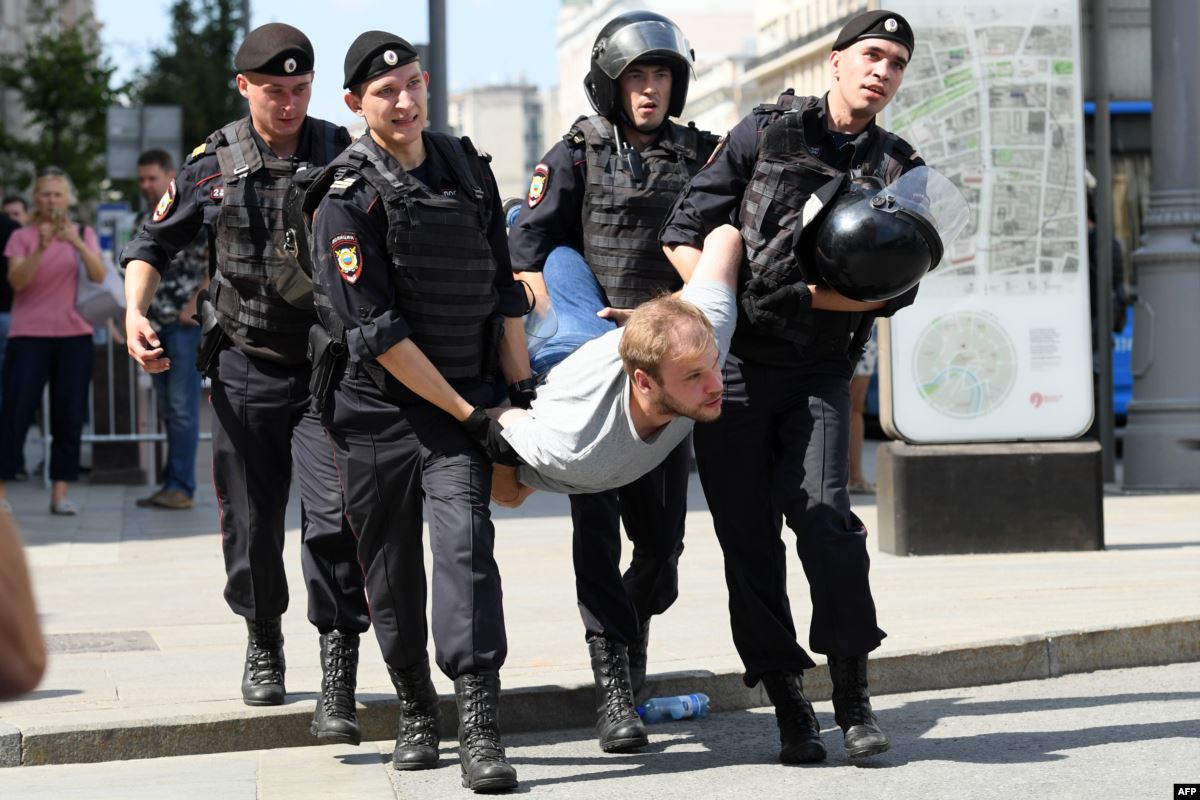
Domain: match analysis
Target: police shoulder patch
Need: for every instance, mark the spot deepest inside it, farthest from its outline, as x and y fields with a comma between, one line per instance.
x=539, y=184
x=166, y=203
x=346, y=254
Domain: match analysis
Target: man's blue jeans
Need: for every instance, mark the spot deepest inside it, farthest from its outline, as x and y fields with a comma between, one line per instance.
x=178, y=394
x=576, y=296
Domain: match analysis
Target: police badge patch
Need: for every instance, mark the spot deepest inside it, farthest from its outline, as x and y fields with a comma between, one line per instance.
x=345, y=253
x=537, y=186
x=166, y=203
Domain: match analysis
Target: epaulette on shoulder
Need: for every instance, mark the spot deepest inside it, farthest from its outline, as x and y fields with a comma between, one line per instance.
x=707, y=138
x=471, y=147
x=343, y=180
x=200, y=151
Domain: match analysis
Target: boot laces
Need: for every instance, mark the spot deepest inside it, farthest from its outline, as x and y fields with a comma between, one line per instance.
x=851, y=698
x=618, y=694
x=478, y=728
x=791, y=706
x=418, y=725
x=337, y=696
x=265, y=654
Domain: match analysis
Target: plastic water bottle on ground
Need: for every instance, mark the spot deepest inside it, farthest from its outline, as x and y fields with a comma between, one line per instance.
x=682, y=706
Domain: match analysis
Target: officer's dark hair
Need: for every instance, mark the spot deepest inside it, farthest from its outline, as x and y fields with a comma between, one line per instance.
x=156, y=156
x=15, y=198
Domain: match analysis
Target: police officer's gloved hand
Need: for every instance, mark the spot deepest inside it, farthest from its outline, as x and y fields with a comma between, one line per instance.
x=522, y=393
x=487, y=433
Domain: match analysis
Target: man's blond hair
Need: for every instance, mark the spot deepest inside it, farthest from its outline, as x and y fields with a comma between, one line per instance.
x=663, y=328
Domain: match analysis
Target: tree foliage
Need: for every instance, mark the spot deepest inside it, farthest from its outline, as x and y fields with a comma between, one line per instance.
x=63, y=83
x=195, y=69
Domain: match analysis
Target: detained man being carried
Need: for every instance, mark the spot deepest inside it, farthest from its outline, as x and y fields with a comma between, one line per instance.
x=616, y=407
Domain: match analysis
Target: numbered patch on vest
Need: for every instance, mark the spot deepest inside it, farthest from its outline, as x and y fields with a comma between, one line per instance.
x=347, y=255
x=539, y=184
x=166, y=203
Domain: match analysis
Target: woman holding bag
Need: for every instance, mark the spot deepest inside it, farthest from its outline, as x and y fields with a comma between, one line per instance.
x=48, y=339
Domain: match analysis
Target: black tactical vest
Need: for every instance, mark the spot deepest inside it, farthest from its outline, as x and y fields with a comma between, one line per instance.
x=622, y=215
x=786, y=174
x=251, y=261
x=445, y=273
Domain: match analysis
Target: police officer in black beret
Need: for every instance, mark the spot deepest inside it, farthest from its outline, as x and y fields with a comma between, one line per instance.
x=413, y=277
x=254, y=348
x=779, y=450
x=587, y=236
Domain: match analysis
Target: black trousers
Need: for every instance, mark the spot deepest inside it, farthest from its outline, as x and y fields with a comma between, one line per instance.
x=393, y=460
x=261, y=427
x=66, y=362
x=653, y=509
x=779, y=452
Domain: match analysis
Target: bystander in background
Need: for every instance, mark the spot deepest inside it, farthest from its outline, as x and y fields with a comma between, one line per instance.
x=16, y=209
x=49, y=341
x=171, y=313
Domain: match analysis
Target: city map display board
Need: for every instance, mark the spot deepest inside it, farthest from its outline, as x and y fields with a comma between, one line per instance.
x=997, y=346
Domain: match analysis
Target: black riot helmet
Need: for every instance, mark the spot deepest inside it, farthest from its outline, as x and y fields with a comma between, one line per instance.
x=638, y=36
x=872, y=242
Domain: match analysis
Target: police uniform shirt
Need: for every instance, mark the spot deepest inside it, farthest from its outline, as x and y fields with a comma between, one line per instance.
x=557, y=217
x=365, y=301
x=193, y=200
x=714, y=198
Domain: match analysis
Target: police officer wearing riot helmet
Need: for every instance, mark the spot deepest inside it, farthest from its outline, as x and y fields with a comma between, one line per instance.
x=412, y=275
x=600, y=196
x=779, y=450
x=254, y=347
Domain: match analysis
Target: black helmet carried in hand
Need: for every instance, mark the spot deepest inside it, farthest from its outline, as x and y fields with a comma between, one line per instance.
x=638, y=36
x=872, y=242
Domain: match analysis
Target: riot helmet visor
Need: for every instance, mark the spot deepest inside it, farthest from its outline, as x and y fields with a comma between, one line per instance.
x=641, y=39
x=930, y=198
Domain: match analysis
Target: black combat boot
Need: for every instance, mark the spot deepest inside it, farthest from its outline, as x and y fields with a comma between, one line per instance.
x=637, y=659
x=852, y=707
x=484, y=768
x=262, y=682
x=618, y=726
x=336, y=718
x=417, y=741
x=799, y=734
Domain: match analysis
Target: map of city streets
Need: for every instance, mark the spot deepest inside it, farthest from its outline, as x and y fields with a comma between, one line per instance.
x=994, y=108
x=997, y=345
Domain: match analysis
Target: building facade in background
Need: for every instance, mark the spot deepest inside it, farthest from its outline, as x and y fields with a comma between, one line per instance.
x=16, y=29
x=504, y=121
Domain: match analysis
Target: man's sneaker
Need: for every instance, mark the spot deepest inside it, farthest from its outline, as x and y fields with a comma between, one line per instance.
x=173, y=499
x=149, y=500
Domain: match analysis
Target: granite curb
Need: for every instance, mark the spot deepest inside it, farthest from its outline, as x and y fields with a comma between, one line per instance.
x=562, y=707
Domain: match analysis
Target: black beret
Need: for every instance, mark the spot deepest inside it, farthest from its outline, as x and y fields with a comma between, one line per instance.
x=275, y=49
x=876, y=25
x=374, y=53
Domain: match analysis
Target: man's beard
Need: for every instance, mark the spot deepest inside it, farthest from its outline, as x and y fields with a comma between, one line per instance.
x=665, y=404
